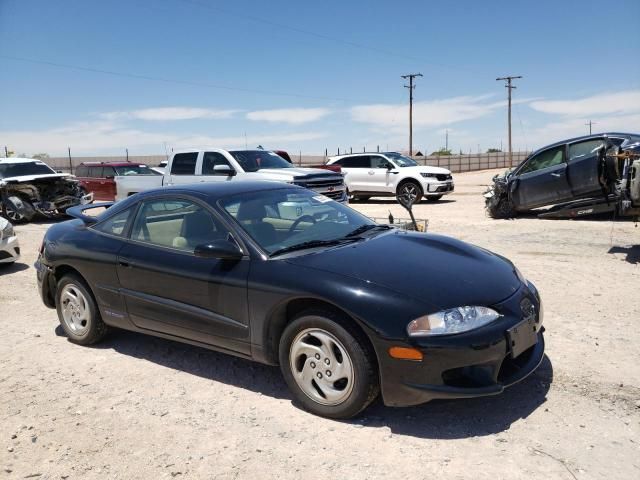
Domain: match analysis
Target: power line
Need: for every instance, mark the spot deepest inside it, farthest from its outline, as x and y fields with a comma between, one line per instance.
x=509, y=87
x=411, y=86
x=168, y=80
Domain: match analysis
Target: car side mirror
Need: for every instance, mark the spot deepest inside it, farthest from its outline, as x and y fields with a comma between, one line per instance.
x=220, y=249
x=225, y=169
x=58, y=171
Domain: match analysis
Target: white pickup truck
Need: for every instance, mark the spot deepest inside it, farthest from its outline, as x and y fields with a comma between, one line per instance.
x=217, y=165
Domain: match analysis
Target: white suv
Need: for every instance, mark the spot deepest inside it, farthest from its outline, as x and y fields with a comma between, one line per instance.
x=392, y=174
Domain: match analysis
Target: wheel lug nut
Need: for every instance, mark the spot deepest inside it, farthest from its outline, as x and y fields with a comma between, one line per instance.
x=328, y=373
x=317, y=356
x=327, y=361
x=313, y=364
x=319, y=375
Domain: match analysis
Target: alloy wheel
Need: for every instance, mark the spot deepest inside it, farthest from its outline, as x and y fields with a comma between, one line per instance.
x=75, y=309
x=409, y=191
x=321, y=366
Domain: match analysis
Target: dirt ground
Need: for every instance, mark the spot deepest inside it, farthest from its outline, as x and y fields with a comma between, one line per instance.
x=141, y=407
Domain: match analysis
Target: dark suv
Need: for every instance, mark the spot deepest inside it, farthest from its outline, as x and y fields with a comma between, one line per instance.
x=562, y=172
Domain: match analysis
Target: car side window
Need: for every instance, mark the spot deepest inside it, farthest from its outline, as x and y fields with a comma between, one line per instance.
x=361, y=161
x=116, y=224
x=82, y=171
x=95, y=172
x=584, y=149
x=184, y=163
x=210, y=160
x=108, y=172
x=546, y=159
x=176, y=223
x=379, y=162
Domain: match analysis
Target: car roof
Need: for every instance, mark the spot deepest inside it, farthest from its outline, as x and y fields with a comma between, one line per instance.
x=110, y=164
x=588, y=137
x=216, y=190
x=19, y=160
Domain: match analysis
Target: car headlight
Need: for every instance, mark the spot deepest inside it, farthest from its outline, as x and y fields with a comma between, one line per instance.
x=7, y=231
x=453, y=320
x=428, y=175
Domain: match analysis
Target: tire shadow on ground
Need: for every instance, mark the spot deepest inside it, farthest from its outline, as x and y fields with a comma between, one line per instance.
x=439, y=419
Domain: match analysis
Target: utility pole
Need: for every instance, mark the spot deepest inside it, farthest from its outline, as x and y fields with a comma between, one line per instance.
x=509, y=87
x=70, y=162
x=590, y=123
x=411, y=76
x=446, y=139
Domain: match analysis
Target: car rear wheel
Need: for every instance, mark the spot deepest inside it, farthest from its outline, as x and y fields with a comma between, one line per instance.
x=18, y=210
x=78, y=312
x=328, y=364
x=410, y=190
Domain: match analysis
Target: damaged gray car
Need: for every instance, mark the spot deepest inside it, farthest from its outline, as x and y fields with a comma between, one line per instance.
x=29, y=187
x=577, y=177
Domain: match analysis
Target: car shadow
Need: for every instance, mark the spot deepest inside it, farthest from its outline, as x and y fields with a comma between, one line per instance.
x=7, y=268
x=632, y=252
x=391, y=201
x=441, y=419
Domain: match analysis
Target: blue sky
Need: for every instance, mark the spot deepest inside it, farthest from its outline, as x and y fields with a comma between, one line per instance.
x=304, y=76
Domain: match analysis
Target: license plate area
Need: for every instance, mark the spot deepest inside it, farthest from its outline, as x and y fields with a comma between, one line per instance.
x=522, y=337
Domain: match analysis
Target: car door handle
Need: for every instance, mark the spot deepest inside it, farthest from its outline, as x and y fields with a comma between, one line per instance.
x=556, y=174
x=395, y=173
x=124, y=262
x=371, y=172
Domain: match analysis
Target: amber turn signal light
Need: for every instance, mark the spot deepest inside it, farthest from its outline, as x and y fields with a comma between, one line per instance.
x=404, y=353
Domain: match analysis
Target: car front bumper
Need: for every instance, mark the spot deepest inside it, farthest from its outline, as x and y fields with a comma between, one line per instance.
x=9, y=249
x=438, y=188
x=46, y=283
x=472, y=364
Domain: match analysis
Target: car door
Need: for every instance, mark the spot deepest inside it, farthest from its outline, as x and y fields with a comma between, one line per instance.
x=381, y=177
x=211, y=160
x=183, y=168
x=169, y=290
x=95, y=176
x=107, y=183
x=542, y=180
x=584, y=165
x=82, y=174
x=355, y=170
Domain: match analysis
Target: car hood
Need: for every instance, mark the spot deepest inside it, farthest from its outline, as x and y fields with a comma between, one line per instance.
x=425, y=169
x=295, y=172
x=31, y=178
x=439, y=271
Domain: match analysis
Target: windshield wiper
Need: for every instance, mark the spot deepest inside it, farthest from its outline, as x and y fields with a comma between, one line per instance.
x=365, y=228
x=310, y=244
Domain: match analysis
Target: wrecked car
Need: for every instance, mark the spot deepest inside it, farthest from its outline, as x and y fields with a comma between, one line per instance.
x=29, y=187
x=580, y=176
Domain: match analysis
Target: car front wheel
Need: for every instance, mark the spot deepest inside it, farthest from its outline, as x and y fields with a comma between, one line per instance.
x=411, y=191
x=328, y=364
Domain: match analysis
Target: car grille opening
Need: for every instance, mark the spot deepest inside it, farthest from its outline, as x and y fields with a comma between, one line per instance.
x=471, y=376
x=443, y=176
x=511, y=366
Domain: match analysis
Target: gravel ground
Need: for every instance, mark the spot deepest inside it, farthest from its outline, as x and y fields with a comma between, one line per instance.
x=140, y=407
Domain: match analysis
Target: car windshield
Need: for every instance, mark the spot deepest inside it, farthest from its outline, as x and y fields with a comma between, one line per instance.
x=135, y=170
x=401, y=160
x=294, y=219
x=8, y=170
x=254, y=160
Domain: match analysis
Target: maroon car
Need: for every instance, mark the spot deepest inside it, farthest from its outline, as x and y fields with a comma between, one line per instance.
x=98, y=177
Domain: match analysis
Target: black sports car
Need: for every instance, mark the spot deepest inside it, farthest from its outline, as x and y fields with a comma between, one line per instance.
x=282, y=275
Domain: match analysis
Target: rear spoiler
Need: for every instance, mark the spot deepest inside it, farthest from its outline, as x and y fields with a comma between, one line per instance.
x=78, y=211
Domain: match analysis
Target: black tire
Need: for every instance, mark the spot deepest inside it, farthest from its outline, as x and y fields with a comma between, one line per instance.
x=18, y=210
x=433, y=198
x=94, y=329
x=365, y=385
x=410, y=187
x=500, y=209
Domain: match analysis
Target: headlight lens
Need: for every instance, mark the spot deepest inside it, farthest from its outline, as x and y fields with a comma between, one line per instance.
x=7, y=231
x=428, y=175
x=453, y=320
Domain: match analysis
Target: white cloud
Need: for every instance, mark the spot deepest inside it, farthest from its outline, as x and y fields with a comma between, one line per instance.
x=289, y=115
x=169, y=113
x=106, y=137
x=605, y=103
